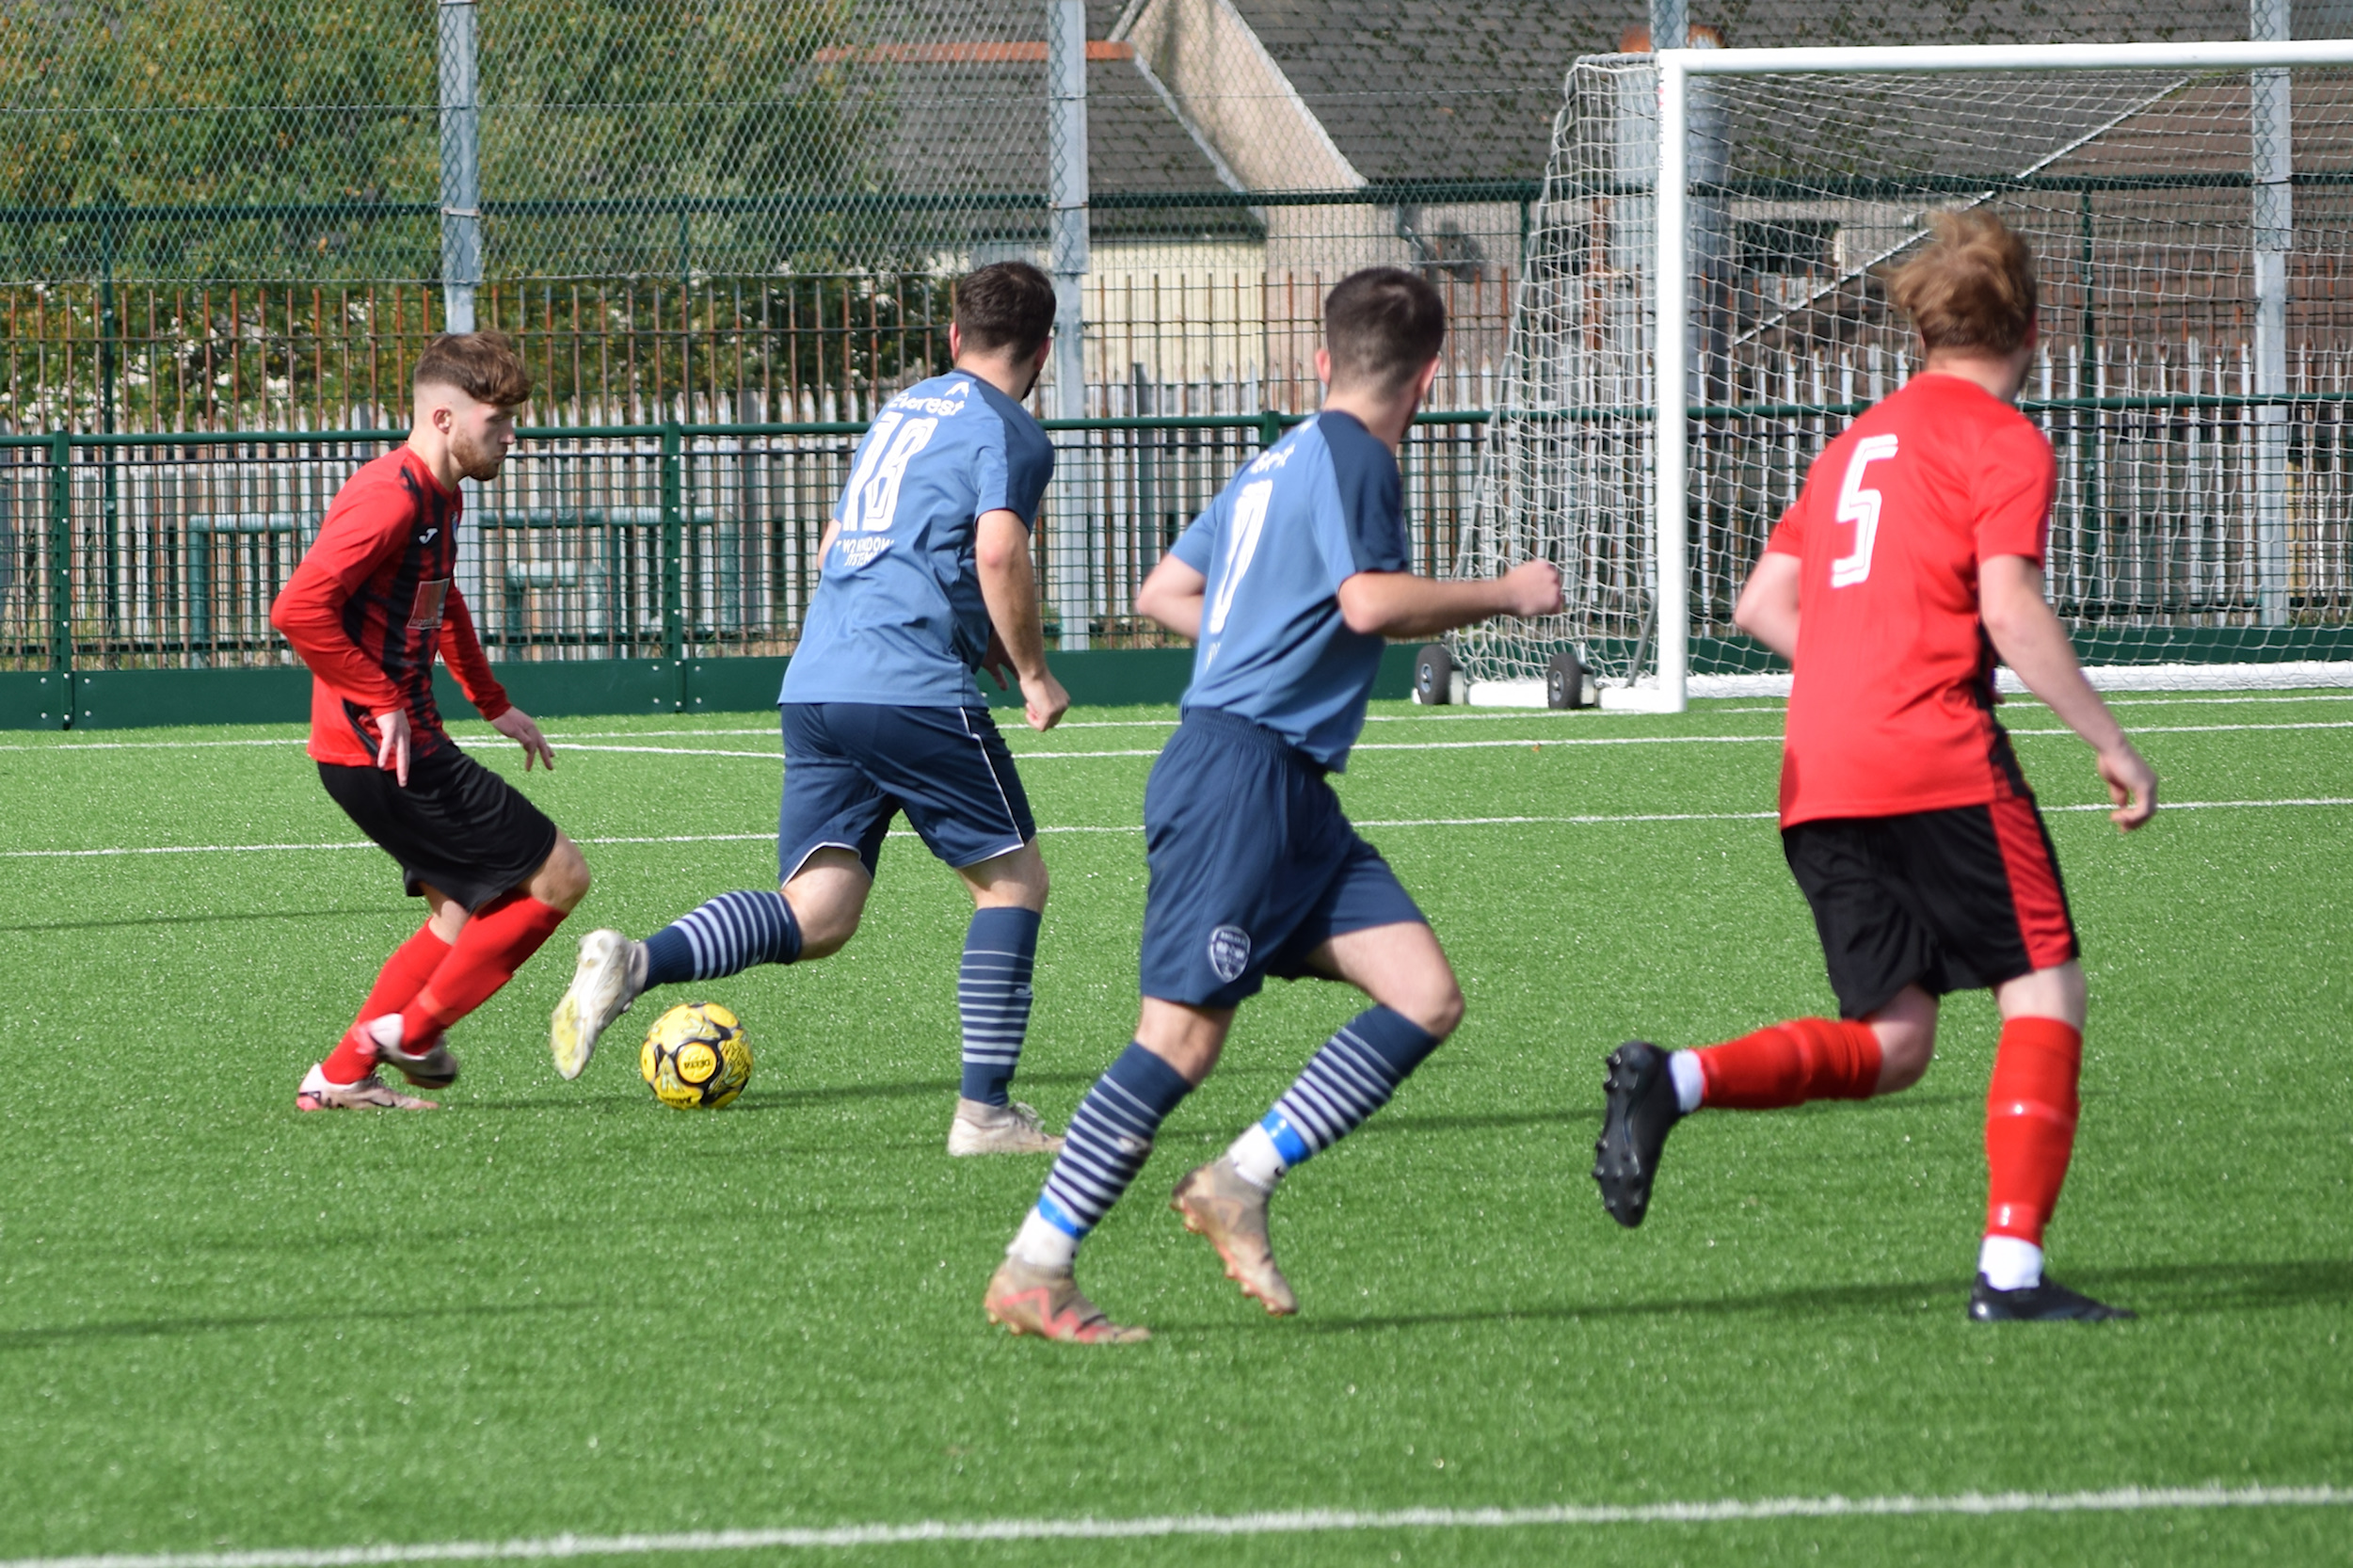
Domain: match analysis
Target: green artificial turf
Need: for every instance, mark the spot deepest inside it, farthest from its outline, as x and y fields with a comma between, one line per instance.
x=559, y=1307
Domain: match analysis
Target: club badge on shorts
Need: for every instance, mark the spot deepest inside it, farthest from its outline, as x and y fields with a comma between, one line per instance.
x=1229, y=951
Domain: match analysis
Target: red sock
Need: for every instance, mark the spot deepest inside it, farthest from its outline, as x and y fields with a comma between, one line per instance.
x=403, y=975
x=502, y=935
x=1804, y=1059
x=2030, y=1116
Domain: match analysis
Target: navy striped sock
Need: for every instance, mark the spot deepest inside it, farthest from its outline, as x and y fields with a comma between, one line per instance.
x=1110, y=1138
x=1349, y=1079
x=993, y=996
x=729, y=934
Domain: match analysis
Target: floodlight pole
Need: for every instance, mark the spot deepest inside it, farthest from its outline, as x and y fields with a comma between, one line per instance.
x=461, y=167
x=1066, y=199
x=2270, y=134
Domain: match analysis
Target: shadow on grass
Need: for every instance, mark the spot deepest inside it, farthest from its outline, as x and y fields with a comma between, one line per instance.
x=2168, y=1291
x=785, y=1099
x=206, y=920
x=157, y=1328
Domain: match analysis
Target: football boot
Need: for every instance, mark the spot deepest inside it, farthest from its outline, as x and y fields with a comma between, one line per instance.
x=602, y=990
x=1012, y=1128
x=1641, y=1109
x=1228, y=1210
x=2047, y=1301
x=370, y=1093
x=434, y=1068
x=1047, y=1303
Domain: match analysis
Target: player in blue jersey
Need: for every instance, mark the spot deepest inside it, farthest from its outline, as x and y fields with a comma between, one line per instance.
x=1288, y=583
x=926, y=578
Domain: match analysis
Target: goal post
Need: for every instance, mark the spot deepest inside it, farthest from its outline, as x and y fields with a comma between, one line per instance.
x=2191, y=210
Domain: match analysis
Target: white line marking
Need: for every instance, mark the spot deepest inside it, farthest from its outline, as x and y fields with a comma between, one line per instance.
x=2123, y=1499
x=1375, y=821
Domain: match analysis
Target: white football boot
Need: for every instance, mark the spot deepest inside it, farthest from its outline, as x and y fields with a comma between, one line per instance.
x=370, y=1093
x=980, y=1128
x=608, y=978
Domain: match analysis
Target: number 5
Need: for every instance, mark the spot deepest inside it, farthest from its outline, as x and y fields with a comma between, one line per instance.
x=1861, y=508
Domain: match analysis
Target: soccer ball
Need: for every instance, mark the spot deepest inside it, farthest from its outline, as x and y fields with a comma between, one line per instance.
x=694, y=1057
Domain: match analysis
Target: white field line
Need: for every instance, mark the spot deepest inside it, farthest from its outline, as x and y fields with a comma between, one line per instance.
x=1522, y=716
x=2124, y=1500
x=1593, y=821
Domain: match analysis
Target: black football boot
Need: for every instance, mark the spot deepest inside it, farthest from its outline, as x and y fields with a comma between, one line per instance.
x=1641, y=1109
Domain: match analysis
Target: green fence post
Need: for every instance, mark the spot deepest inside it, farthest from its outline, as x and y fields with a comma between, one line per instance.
x=61, y=566
x=1269, y=428
x=674, y=550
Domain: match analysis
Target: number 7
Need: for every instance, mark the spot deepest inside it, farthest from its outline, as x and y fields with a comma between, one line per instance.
x=1861, y=508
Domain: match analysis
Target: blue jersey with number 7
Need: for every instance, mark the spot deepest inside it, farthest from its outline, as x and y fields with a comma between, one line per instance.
x=898, y=618
x=1311, y=511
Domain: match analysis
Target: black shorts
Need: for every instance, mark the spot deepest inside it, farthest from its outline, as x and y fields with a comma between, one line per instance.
x=457, y=827
x=1955, y=900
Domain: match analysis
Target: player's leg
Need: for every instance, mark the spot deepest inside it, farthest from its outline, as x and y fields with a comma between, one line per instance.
x=2020, y=936
x=498, y=876
x=831, y=822
x=950, y=773
x=1879, y=952
x=993, y=997
x=1036, y=1289
x=1417, y=1004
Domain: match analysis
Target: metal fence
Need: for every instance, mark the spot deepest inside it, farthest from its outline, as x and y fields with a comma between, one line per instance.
x=614, y=541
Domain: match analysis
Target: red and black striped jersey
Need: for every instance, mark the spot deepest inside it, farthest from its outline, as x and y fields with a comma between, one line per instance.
x=367, y=608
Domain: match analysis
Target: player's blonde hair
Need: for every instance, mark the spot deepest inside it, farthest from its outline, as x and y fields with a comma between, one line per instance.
x=1971, y=287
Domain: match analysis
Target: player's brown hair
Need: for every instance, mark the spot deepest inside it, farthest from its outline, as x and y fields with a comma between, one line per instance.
x=1972, y=286
x=482, y=365
x=1381, y=326
x=1006, y=304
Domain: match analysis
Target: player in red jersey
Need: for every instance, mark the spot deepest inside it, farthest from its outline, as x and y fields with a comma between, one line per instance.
x=1912, y=559
x=368, y=609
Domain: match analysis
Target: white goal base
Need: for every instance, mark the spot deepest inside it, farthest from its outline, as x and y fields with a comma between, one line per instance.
x=1643, y=699
x=2288, y=675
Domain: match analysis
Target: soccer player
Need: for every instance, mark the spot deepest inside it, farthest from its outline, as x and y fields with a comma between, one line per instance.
x=1287, y=583
x=1912, y=559
x=926, y=578
x=368, y=609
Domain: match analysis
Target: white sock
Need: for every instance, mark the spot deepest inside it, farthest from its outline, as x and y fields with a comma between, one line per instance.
x=2009, y=1264
x=1043, y=1244
x=1690, y=1082
x=1255, y=1155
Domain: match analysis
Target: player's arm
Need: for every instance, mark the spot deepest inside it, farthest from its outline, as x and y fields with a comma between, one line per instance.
x=1768, y=609
x=461, y=650
x=310, y=613
x=2028, y=636
x=1400, y=604
x=1000, y=552
x=1173, y=596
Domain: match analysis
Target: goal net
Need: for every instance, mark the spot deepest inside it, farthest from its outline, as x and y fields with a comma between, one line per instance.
x=2191, y=216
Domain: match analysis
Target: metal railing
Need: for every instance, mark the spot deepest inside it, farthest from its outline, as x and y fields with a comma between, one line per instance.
x=597, y=541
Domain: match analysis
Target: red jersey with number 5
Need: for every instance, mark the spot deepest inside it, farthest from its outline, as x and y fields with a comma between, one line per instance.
x=1891, y=711
x=368, y=606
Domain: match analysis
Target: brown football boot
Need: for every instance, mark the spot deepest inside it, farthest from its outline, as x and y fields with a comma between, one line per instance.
x=1027, y=1299
x=1229, y=1211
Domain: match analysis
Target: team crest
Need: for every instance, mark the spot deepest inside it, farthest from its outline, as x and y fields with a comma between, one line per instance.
x=1229, y=951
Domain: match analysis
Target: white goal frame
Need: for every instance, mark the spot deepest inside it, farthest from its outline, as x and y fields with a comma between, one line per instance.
x=1676, y=66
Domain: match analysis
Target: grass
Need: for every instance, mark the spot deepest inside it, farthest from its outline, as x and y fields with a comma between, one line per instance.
x=562, y=1307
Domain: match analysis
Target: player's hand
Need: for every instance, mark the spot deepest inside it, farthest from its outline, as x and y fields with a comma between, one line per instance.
x=392, y=747
x=519, y=727
x=1043, y=701
x=997, y=662
x=1533, y=588
x=2131, y=785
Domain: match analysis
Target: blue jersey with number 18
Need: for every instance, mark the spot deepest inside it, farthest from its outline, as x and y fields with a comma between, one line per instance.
x=1319, y=506
x=898, y=617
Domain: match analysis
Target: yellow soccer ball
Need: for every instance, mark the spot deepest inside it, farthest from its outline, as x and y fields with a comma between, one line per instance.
x=695, y=1058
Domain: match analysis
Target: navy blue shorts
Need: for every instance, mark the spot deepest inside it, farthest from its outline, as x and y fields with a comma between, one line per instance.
x=1254, y=865
x=850, y=767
